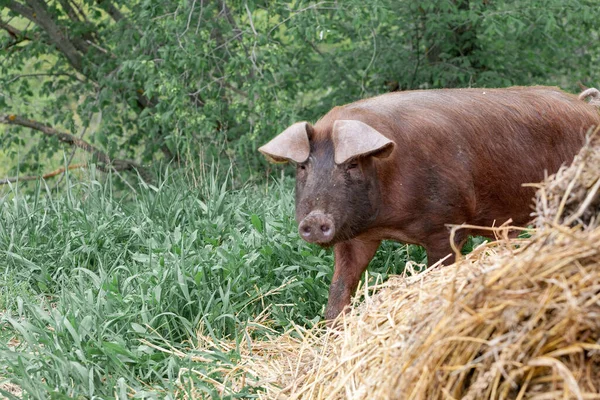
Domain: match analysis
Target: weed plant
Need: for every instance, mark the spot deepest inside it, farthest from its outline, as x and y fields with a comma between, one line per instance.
x=92, y=276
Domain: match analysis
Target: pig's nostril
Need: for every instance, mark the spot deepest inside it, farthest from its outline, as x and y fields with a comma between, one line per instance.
x=317, y=228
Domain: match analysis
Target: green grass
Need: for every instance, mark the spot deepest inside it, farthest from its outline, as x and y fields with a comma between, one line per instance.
x=89, y=273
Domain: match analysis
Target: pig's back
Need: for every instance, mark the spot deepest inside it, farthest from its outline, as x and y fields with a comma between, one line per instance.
x=478, y=146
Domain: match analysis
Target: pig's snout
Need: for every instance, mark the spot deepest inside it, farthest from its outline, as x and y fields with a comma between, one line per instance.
x=317, y=227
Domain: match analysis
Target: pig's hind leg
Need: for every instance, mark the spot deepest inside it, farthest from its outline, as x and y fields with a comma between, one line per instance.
x=438, y=246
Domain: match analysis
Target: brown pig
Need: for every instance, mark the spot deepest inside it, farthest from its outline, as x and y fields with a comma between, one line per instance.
x=405, y=165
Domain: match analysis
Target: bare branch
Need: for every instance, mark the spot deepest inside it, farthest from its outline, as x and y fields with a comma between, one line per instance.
x=98, y=155
x=189, y=19
x=250, y=19
x=52, y=174
x=100, y=48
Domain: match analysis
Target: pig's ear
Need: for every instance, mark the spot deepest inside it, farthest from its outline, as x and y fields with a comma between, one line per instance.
x=290, y=145
x=352, y=138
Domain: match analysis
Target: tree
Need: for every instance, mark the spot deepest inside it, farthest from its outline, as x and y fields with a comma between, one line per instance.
x=140, y=83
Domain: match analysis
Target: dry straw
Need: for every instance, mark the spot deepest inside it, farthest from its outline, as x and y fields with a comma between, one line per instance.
x=571, y=197
x=516, y=319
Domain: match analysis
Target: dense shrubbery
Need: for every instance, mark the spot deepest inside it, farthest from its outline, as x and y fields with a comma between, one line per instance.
x=183, y=82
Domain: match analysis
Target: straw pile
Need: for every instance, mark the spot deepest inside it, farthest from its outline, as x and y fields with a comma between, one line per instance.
x=516, y=319
x=571, y=196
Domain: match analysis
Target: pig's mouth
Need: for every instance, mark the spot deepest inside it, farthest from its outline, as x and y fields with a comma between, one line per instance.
x=317, y=227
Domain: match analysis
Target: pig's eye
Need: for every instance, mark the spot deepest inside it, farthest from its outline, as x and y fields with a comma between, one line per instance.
x=353, y=165
x=302, y=167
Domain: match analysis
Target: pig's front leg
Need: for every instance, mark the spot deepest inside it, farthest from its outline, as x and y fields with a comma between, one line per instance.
x=351, y=259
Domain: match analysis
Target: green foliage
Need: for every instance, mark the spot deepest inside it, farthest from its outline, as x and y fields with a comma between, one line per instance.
x=98, y=273
x=189, y=81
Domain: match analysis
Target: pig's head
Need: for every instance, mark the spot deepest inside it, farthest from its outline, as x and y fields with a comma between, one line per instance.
x=337, y=188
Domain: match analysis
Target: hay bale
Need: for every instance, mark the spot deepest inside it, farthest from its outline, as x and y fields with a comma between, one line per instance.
x=515, y=319
x=509, y=322
x=572, y=196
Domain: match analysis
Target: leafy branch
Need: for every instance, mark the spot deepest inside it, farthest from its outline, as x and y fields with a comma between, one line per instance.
x=17, y=35
x=37, y=12
x=82, y=51
x=105, y=162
